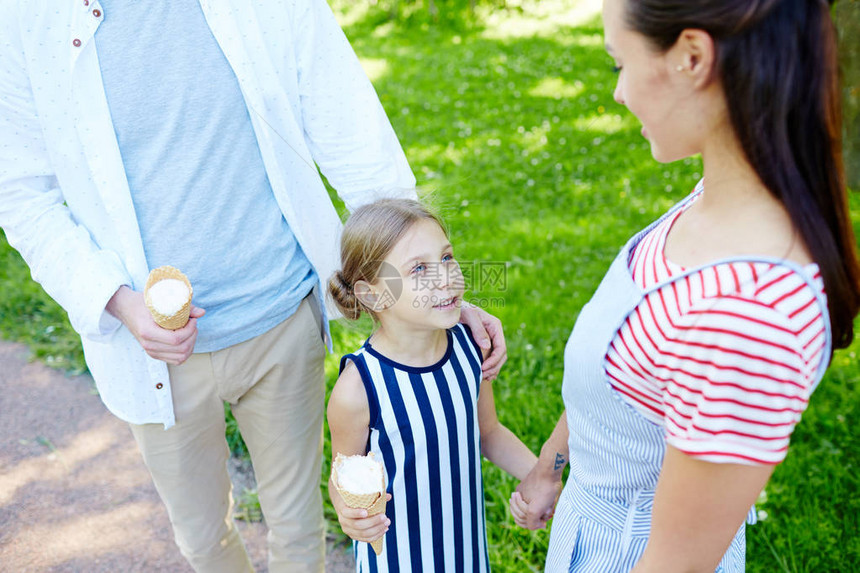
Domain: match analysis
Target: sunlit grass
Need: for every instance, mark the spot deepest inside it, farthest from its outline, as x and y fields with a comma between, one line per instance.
x=374, y=68
x=542, y=18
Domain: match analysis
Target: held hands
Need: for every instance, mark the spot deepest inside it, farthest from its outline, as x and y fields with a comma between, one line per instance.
x=533, y=502
x=171, y=346
x=488, y=333
x=355, y=522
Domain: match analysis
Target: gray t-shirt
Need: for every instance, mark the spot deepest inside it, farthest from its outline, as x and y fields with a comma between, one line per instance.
x=199, y=186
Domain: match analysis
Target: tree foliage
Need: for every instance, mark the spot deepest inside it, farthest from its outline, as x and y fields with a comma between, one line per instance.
x=452, y=13
x=847, y=15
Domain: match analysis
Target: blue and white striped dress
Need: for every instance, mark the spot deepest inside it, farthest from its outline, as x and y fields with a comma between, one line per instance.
x=424, y=427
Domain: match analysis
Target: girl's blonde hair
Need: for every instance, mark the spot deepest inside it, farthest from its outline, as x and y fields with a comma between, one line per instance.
x=369, y=235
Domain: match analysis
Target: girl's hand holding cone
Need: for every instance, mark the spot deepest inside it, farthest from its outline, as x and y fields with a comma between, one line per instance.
x=361, y=512
x=356, y=522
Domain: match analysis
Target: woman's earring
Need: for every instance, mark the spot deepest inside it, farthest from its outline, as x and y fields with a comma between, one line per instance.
x=679, y=68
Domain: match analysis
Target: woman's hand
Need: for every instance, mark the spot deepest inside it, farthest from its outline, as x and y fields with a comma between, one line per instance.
x=171, y=346
x=488, y=333
x=355, y=522
x=533, y=502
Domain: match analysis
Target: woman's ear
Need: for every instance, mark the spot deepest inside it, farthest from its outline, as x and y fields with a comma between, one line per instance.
x=694, y=54
x=367, y=295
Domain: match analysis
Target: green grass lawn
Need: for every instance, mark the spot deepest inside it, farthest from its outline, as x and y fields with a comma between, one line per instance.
x=539, y=173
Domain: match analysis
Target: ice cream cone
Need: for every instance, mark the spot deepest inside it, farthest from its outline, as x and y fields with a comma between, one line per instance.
x=374, y=503
x=178, y=319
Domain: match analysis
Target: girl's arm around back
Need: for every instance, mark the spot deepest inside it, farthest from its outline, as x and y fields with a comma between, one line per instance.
x=349, y=423
x=498, y=443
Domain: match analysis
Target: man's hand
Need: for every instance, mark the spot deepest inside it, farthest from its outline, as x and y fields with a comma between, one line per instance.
x=487, y=330
x=171, y=346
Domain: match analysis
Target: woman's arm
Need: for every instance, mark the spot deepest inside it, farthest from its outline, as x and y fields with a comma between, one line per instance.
x=498, y=443
x=743, y=406
x=698, y=508
x=533, y=504
x=349, y=423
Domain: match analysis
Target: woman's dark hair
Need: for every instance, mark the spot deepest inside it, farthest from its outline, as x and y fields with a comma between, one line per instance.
x=777, y=63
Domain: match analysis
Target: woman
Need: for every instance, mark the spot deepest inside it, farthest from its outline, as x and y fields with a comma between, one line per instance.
x=687, y=371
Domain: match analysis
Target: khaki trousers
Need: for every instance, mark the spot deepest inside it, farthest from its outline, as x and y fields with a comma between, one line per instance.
x=275, y=386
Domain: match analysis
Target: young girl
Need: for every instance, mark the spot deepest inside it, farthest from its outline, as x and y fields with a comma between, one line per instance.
x=413, y=395
x=691, y=365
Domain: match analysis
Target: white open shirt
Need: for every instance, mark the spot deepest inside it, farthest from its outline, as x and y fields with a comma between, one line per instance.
x=64, y=199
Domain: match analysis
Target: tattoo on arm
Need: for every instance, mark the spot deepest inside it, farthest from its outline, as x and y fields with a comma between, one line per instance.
x=560, y=462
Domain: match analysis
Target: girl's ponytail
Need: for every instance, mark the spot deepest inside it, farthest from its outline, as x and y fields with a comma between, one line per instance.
x=343, y=295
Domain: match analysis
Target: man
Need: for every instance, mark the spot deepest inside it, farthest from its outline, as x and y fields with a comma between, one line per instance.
x=134, y=135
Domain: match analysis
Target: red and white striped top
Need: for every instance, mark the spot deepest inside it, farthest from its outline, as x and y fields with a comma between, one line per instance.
x=724, y=358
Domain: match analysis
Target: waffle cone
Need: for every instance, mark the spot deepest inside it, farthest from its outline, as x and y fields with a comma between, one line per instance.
x=180, y=318
x=374, y=502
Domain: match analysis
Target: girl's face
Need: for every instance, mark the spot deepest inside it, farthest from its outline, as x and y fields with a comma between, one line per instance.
x=651, y=87
x=432, y=283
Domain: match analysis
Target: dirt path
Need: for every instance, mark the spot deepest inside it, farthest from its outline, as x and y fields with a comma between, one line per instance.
x=74, y=493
